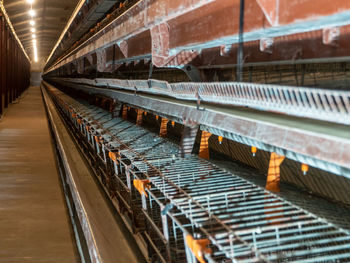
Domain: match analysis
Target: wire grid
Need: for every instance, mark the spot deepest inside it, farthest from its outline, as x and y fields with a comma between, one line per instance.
x=243, y=220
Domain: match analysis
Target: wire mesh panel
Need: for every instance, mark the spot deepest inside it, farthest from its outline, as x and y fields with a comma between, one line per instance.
x=242, y=221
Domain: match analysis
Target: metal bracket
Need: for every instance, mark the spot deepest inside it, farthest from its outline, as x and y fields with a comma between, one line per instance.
x=188, y=139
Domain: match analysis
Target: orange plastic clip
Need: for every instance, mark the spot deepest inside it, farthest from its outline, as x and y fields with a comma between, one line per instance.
x=198, y=247
x=98, y=139
x=220, y=139
x=142, y=185
x=254, y=150
x=79, y=121
x=113, y=156
x=304, y=168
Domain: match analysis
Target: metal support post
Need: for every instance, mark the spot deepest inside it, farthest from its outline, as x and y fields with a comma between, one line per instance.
x=188, y=139
x=163, y=128
x=204, y=146
x=139, y=117
x=273, y=174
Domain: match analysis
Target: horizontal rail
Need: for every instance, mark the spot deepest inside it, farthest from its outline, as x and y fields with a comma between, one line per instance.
x=314, y=143
x=319, y=104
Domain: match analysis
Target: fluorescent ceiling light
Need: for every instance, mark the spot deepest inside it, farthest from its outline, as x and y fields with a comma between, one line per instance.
x=30, y=1
x=35, y=53
x=31, y=12
x=32, y=22
x=32, y=30
x=33, y=36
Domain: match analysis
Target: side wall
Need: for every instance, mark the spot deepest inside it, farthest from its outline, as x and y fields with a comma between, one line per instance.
x=14, y=67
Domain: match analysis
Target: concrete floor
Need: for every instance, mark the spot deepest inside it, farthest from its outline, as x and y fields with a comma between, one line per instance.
x=34, y=222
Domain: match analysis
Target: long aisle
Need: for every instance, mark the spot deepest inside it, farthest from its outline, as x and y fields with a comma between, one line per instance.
x=34, y=221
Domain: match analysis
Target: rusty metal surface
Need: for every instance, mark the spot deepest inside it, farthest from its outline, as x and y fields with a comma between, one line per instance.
x=142, y=16
x=88, y=15
x=264, y=228
x=203, y=33
x=14, y=65
x=318, y=144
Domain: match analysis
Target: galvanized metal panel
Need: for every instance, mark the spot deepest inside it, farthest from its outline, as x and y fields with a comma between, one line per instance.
x=235, y=215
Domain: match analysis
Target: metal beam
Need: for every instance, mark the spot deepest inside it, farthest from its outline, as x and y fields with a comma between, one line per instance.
x=320, y=104
x=319, y=144
x=180, y=33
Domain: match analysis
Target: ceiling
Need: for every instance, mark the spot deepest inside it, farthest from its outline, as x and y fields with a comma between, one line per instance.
x=50, y=19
